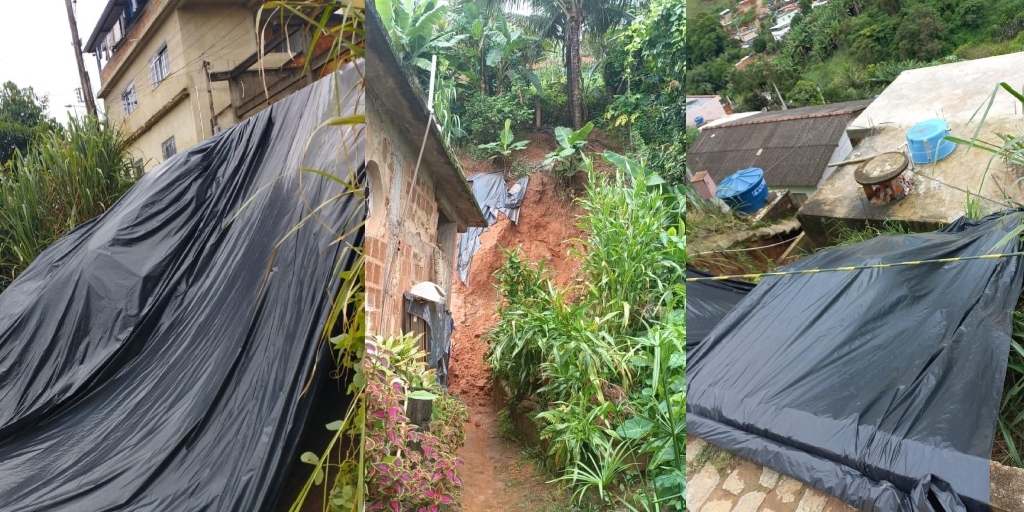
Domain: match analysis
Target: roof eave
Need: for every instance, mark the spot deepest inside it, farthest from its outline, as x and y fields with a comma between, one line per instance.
x=400, y=97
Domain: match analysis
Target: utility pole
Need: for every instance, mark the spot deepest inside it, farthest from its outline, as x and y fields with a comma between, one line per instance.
x=209, y=91
x=90, y=105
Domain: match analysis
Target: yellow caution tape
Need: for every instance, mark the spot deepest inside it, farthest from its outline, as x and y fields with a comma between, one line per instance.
x=859, y=267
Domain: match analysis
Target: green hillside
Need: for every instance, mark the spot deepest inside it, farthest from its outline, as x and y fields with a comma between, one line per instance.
x=846, y=49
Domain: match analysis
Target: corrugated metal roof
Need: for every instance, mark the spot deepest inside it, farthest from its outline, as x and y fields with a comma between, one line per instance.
x=791, y=146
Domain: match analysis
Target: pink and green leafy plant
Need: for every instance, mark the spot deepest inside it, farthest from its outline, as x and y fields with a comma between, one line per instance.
x=408, y=469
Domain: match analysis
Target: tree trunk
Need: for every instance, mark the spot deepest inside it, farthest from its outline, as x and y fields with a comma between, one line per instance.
x=483, y=68
x=573, y=65
x=536, y=112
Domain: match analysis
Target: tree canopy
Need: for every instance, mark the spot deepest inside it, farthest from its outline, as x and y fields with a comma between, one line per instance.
x=22, y=117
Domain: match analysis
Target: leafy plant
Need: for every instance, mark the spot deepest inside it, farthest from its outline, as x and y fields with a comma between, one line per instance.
x=505, y=146
x=607, y=364
x=601, y=471
x=417, y=29
x=566, y=160
x=65, y=178
x=407, y=360
x=407, y=469
x=576, y=427
x=486, y=115
x=446, y=421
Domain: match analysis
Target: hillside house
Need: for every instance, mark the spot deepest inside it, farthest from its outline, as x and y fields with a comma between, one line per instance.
x=414, y=214
x=706, y=107
x=174, y=72
x=939, y=194
x=793, y=147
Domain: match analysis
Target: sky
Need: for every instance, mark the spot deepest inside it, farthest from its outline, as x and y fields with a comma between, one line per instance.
x=43, y=58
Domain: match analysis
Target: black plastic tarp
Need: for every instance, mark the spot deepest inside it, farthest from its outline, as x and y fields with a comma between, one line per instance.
x=880, y=386
x=493, y=196
x=154, y=358
x=440, y=327
x=707, y=303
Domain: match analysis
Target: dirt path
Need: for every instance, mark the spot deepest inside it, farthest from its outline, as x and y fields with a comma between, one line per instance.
x=497, y=475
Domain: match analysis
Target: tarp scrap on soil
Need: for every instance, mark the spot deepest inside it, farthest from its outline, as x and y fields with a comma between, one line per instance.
x=494, y=197
x=155, y=357
x=881, y=387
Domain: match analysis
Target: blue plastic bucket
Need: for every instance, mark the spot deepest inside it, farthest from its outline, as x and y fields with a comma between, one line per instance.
x=926, y=143
x=744, y=190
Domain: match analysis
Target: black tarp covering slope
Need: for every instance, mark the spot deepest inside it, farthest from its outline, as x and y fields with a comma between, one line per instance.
x=880, y=386
x=493, y=196
x=153, y=359
x=707, y=303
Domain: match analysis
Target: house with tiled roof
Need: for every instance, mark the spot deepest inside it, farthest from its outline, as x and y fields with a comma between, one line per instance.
x=794, y=147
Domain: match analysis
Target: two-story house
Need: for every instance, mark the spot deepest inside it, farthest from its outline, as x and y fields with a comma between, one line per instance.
x=174, y=72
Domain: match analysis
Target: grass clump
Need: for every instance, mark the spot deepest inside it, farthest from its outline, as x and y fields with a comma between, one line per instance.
x=65, y=178
x=606, y=358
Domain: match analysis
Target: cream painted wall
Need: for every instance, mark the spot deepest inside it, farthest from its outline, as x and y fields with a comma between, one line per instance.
x=222, y=35
x=179, y=122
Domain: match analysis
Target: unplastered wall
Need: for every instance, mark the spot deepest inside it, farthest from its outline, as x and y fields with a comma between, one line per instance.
x=401, y=237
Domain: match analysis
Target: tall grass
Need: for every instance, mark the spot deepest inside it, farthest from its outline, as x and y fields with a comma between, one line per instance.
x=65, y=178
x=605, y=359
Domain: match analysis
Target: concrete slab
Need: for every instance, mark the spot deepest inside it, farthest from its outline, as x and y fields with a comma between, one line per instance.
x=952, y=92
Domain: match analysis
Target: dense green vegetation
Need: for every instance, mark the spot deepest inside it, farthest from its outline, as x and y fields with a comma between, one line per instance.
x=849, y=49
x=605, y=360
x=66, y=177
x=495, y=63
x=23, y=117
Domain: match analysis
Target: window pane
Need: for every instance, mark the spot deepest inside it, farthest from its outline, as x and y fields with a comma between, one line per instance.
x=169, y=148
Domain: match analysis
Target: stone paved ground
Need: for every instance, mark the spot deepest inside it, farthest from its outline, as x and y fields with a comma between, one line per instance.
x=717, y=481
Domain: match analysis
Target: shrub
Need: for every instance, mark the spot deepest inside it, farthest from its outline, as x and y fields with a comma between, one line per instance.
x=407, y=469
x=484, y=116
x=65, y=178
x=608, y=363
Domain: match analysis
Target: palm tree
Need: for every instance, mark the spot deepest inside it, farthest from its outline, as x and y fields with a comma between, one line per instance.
x=565, y=20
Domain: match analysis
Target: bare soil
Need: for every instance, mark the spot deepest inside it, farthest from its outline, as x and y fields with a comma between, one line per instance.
x=497, y=475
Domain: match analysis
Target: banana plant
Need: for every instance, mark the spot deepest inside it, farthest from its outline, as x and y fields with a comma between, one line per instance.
x=418, y=29
x=565, y=160
x=505, y=146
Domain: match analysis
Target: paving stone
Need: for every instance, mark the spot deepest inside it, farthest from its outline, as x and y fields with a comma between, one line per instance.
x=715, y=506
x=749, y=502
x=734, y=483
x=812, y=501
x=701, y=486
x=788, y=489
x=768, y=478
x=693, y=447
x=836, y=505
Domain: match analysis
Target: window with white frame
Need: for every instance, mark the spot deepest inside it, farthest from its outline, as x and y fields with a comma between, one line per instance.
x=129, y=100
x=168, y=148
x=160, y=66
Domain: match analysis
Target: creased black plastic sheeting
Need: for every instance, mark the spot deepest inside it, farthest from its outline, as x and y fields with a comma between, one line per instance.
x=493, y=197
x=880, y=386
x=707, y=303
x=439, y=322
x=153, y=359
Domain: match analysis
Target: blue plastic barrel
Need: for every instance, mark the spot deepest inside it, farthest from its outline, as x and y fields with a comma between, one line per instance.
x=744, y=190
x=926, y=142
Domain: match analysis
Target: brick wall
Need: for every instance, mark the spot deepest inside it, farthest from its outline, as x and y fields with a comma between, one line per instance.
x=402, y=246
